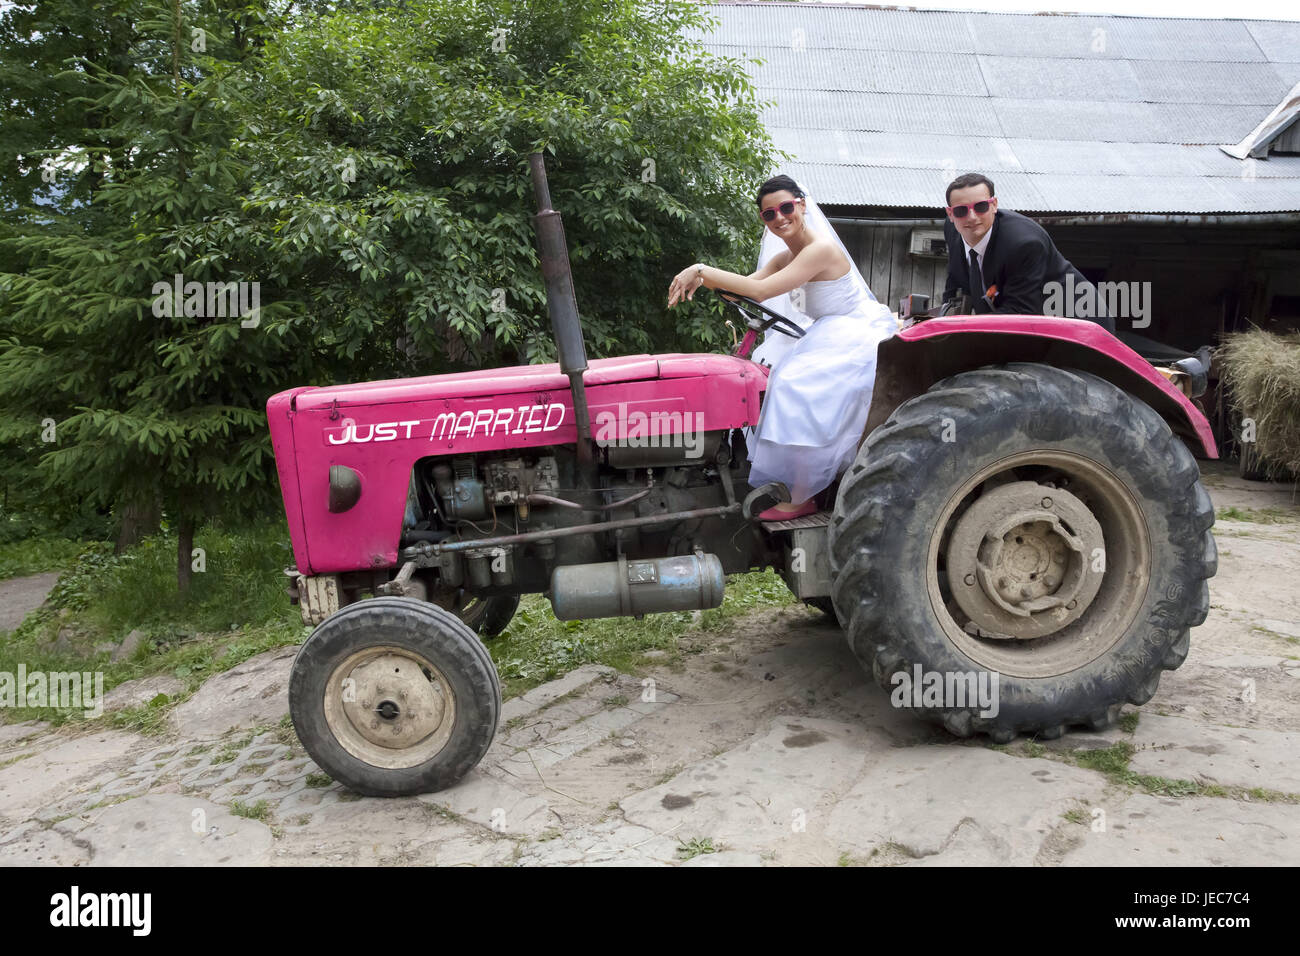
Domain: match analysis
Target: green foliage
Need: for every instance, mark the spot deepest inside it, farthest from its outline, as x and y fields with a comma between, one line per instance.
x=235, y=610
x=364, y=164
x=242, y=583
x=256, y=811
x=33, y=555
x=537, y=647
x=389, y=157
x=696, y=846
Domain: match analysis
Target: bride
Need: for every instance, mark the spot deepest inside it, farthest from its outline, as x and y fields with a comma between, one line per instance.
x=819, y=390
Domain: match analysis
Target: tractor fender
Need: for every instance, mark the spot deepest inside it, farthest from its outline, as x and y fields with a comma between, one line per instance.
x=919, y=356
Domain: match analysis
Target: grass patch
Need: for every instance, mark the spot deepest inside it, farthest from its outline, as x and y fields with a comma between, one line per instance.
x=1129, y=722
x=697, y=846
x=319, y=781
x=34, y=555
x=1114, y=763
x=256, y=811
x=236, y=609
x=149, y=719
x=13, y=760
x=1281, y=637
x=537, y=647
x=1257, y=515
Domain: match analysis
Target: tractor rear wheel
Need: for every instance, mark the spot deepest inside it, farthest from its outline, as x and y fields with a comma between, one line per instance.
x=490, y=616
x=1032, y=528
x=394, y=696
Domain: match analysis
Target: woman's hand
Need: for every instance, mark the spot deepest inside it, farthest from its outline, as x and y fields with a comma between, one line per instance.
x=685, y=283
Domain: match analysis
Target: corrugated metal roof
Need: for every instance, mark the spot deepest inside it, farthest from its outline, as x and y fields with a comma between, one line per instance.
x=1061, y=79
x=1022, y=118
x=1189, y=41
x=1279, y=41
x=829, y=27
x=1067, y=113
x=1258, y=84
x=996, y=154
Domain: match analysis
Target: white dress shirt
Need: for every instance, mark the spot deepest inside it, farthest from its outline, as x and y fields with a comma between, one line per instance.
x=978, y=249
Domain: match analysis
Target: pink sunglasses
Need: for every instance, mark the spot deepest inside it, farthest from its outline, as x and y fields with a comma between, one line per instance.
x=981, y=207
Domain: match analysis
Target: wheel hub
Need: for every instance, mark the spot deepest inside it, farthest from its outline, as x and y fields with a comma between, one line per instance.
x=393, y=702
x=1022, y=560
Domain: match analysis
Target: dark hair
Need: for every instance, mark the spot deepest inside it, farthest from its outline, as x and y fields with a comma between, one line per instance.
x=775, y=185
x=965, y=181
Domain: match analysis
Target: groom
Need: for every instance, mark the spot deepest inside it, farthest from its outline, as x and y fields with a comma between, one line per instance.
x=1005, y=260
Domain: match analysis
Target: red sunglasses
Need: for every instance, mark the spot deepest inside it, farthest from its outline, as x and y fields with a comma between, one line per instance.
x=981, y=207
x=786, y=208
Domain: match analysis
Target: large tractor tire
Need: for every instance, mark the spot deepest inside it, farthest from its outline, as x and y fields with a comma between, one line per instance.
x=394, y=696
x=1034, y=523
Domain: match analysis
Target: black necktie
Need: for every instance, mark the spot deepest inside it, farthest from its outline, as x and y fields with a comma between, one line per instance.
x=976, y=277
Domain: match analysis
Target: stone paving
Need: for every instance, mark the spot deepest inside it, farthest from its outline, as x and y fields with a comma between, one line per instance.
x=767, y=745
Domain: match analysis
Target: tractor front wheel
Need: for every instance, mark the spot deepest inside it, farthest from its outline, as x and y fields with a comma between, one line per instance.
x=394, y=696
x=1020, y=549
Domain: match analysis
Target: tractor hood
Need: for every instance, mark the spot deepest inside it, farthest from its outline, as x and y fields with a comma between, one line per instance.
x=379, y=430
x=516, y=379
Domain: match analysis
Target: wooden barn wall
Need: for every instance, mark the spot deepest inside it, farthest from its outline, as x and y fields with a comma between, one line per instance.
x=881, y=252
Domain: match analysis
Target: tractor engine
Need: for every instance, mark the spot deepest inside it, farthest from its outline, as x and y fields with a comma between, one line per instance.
x=500, y=510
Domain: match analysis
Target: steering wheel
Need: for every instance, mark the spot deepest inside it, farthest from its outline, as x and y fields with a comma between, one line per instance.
x=754, y=313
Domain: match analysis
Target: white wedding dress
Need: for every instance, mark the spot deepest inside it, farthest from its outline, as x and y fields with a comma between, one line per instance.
x=819, y=389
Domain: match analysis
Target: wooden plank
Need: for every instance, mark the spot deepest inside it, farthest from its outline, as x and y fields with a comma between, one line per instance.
x=878, y=277
x=900, y=267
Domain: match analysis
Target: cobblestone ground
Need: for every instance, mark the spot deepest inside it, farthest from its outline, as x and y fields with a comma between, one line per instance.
x=769, y=746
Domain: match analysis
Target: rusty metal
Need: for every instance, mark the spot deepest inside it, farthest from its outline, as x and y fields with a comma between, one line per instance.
x=427, y=549
x=538, y=498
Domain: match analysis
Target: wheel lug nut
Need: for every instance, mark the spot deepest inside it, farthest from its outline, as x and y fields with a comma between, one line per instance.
x=1047, y=502
x=969, y=579
x=1072, y=605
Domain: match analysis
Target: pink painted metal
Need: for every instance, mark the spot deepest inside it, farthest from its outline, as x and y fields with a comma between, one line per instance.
x=380, y=429
x=1088, y=334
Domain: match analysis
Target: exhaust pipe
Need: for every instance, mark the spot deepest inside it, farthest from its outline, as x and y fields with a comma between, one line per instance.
x=563, y=307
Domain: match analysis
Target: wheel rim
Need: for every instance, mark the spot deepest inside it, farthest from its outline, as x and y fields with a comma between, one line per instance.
x=1039, y=564
x=390, y=707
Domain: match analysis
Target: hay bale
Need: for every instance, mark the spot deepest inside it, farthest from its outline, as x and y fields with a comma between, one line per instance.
x=1261, y=371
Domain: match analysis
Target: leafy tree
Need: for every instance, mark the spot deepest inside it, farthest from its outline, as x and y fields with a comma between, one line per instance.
x=390, y=161
x=366, y=166
x=133, y=403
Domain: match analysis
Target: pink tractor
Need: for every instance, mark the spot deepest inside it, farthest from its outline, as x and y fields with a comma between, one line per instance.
x=1025, y=505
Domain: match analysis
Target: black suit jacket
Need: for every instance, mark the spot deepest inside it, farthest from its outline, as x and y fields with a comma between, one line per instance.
x=1020, y=260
